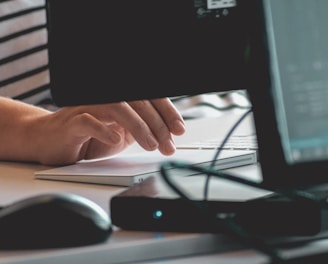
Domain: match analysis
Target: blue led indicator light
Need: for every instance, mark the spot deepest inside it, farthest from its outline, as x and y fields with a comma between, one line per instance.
x=157, y=214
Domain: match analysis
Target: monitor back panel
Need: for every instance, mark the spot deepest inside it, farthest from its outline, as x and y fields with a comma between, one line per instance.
x=102, y=51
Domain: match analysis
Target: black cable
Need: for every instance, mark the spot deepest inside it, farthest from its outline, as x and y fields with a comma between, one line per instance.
x=228, y=223
x=226, y=108
x=293, y=194
x=221, y=95
x=221, y=147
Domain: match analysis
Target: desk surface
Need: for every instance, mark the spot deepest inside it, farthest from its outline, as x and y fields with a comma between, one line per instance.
x=17, y=182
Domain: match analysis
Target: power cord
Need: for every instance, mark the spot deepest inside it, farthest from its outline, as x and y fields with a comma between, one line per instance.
x=216, y=156
x=227, y=222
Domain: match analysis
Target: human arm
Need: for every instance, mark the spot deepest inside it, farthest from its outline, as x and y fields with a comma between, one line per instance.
x=30, y=133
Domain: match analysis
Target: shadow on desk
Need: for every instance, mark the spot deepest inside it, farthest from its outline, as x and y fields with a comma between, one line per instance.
x=128, y=247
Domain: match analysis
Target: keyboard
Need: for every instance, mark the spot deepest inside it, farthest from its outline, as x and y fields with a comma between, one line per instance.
x=240, y=142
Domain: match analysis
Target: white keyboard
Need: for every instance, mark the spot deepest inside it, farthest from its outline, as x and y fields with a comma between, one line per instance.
x=240, y=142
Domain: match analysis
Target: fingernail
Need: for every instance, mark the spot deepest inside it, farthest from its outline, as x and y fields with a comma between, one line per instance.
x=169, y=147
x=179, y=127
x=152, y=142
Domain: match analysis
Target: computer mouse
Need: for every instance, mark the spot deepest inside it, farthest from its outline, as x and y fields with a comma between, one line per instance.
x=53, y=221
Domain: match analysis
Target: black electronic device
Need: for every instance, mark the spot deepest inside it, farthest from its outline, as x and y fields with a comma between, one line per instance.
x=178, y=215
x=101, y=51
x=150, y=207
x=53, y=221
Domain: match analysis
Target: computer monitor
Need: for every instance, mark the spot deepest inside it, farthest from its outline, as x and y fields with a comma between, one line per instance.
x=289, y=95
x=107, y=51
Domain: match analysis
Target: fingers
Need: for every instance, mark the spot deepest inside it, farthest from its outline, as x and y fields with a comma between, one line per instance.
x=156, y=124
x=128, y=118
x=96, y=149
x=151, y=123
x=162, y=119
x=170, y=115
x=85, y=126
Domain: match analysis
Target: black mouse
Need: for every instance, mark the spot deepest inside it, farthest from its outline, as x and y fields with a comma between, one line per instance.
x=53, y=221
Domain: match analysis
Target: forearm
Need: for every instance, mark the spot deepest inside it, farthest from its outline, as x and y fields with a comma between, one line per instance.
x=17, y=139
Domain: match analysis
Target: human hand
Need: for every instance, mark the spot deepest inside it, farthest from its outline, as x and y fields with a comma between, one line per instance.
x=94, y=131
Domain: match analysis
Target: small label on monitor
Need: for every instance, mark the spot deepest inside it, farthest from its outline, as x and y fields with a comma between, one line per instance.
x=214, y=9
x=215, y=4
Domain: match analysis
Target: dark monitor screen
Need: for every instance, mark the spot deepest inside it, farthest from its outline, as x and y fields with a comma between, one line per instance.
x=105, y=51
x=299, y=70
x=289, y=95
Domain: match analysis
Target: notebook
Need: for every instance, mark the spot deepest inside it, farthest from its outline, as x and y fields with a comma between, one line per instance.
x=131, y=168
